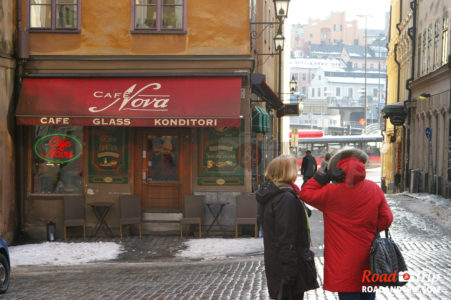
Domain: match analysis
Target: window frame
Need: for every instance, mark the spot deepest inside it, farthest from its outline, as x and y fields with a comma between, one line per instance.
x=159, y=29
x=445, y=39
x=53, y=27
x=30, y=171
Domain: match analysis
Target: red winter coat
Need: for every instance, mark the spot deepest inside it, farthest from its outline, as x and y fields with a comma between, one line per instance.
x=352, y=212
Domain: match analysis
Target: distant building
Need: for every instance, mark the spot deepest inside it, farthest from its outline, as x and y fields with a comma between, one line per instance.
x=328, y=60
x=417, y=151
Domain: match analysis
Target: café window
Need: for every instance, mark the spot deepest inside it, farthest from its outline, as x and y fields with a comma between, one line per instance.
x=56, y=159
x=54, y=15
x=221, y=157
x=159, y=15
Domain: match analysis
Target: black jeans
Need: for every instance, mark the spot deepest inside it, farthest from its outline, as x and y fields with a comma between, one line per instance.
x=356, y=296
x=306, y=178
x=295, y=297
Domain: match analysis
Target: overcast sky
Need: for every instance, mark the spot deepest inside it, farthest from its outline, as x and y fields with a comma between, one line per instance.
x=300, y=11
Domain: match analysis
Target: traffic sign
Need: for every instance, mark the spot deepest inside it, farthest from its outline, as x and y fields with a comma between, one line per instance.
x=428, y=133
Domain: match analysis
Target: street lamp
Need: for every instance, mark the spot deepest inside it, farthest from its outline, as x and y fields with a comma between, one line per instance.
x=366, y=54
x=281, y=8
x=279, y=40
x=278, y=43
x=293, y=85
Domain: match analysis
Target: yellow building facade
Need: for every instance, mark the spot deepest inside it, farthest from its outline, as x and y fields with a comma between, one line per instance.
x=398, y=72
x=158, y=93
x=8, y=206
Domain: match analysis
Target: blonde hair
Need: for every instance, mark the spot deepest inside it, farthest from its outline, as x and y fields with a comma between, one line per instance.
x=283, y=168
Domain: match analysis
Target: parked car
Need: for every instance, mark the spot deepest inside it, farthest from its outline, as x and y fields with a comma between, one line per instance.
x=4, y=266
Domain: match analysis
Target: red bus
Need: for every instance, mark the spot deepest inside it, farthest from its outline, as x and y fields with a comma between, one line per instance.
x=319, y=146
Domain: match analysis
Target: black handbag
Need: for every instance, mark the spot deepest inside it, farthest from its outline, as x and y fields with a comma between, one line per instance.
x=386, y=261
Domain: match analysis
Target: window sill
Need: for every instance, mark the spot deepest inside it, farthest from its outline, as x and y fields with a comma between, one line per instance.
x=52, y=196
x=54, y=30
x=145, y=31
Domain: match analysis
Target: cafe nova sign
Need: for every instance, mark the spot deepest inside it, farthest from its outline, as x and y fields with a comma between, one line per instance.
x=58, y=148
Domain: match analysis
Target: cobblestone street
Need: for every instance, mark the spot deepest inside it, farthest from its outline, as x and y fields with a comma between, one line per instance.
x=150, y=270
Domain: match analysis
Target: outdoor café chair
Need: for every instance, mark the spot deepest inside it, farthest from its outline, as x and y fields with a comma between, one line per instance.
x=246, y=212
x=193, y=212
x=74, y=213
x=130, y=212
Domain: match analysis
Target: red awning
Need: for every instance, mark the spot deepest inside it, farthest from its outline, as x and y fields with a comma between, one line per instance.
x=146, y=102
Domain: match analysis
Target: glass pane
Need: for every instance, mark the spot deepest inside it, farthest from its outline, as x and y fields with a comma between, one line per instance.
x=66, y=16
x=172, y=16
x=146, y=17
x=49, y=177
x=173, y=2
x=66, y=1
x=40, y=16
x=154, y=2
x=41, y=1
x=162, y=157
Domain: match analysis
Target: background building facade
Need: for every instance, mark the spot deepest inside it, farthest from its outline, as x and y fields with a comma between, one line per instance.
x=8, y=204
x=182, y=48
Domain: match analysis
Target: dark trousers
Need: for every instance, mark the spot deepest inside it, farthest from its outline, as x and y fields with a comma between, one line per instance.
x=295, y=297
x=356, y=296
x=306, y=178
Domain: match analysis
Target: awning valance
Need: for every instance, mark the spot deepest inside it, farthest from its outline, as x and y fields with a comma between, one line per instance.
x=261, y=89
x=145, y=102
x=260, y=120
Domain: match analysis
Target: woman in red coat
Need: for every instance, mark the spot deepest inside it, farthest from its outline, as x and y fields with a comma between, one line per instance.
x=353, y=210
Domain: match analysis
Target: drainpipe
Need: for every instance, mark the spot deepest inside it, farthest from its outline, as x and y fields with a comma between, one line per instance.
x=21, y=55
x=412, y=34
x=398, y=91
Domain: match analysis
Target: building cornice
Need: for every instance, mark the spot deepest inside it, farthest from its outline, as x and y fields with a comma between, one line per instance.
x=437, y=74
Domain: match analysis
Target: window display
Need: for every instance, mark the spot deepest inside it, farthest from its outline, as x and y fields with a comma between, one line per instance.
x=56, y=159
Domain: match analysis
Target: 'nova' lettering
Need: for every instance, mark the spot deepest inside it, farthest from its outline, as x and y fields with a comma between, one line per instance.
x=136, y=101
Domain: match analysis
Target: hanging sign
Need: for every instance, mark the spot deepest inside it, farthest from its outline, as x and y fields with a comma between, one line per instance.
x=428, y=133
x=58, y=148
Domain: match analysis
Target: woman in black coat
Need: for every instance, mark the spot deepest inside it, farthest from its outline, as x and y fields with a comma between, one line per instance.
x=289, y=264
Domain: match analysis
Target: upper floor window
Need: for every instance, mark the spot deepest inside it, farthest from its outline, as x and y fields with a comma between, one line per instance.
x=445, y=40
x=437, y=57
x=58, y=15
x=159, y=15
x=419, y=56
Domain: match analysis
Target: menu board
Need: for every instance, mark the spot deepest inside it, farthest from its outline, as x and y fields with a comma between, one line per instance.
x=221, y=156
x=108, y=155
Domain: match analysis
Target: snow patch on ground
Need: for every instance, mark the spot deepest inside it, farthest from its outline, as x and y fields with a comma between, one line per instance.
x=211, y=249
x=55, y=253
x=434, y=206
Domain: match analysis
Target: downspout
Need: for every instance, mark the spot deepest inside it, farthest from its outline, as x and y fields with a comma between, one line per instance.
x=412, y=34
x=397, y=96
x=21, y=54
x=383, y=177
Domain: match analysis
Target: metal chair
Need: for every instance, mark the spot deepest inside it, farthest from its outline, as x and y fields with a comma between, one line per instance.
x=74, y=213
x=193, y=212
x=130, y=212
x=246, y=212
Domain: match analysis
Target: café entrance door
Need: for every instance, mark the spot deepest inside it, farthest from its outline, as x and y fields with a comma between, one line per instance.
x=163, y=168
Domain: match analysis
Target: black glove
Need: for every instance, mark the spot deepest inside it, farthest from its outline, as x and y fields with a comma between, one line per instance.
x=336, y=174
x=289, y=281
x=322, y=178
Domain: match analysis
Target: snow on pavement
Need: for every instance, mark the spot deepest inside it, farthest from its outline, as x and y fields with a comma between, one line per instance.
x=210, y=249
x=55, y=253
